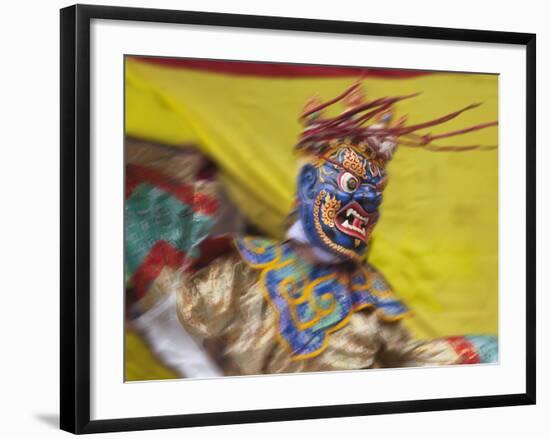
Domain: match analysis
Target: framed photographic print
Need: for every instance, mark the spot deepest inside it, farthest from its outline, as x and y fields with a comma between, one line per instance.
x=305, y=218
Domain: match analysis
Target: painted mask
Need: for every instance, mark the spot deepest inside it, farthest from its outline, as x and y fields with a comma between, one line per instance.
x=338, y=199
x=339, y=190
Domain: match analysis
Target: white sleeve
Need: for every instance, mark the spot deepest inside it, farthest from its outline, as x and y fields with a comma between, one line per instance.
x=172, y=344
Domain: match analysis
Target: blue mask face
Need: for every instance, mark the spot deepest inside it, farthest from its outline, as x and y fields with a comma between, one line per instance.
x=338, y=201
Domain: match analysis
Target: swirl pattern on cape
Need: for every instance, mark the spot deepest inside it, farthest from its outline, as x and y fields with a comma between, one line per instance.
x=312, y=301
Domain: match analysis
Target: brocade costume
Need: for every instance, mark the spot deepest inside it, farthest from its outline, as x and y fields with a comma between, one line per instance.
x=312, y=303
x=271, y=312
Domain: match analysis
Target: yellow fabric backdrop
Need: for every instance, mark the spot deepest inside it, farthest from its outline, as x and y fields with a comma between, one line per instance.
x=437, y=241
x=140, y=363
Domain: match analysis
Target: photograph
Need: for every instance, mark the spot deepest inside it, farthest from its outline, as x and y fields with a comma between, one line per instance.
x=285, y=218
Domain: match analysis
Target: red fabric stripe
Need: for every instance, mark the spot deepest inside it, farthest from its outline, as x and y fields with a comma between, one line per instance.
x=212, y=248
x=162, y=254
x=199, y=202
x=280, y=70
x=131, y=183
x=465, y=350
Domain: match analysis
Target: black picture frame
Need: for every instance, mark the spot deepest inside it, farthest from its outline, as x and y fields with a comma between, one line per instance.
x=75, y=217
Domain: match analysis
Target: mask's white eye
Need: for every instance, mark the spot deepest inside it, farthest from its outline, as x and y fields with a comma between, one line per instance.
x=348, y=182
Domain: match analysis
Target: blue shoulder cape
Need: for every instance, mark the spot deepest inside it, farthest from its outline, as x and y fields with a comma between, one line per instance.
x=312, y=301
